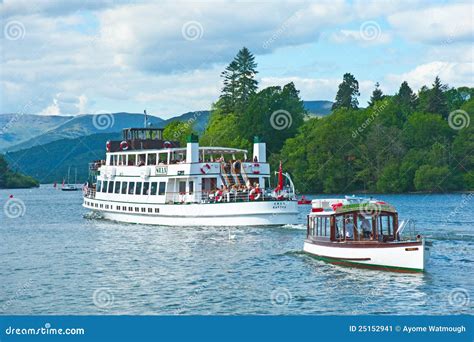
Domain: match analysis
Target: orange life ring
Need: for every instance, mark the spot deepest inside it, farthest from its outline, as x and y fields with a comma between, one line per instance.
x=166, y=144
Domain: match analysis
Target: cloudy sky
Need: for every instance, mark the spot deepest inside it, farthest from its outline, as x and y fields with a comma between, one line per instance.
x=72, y=57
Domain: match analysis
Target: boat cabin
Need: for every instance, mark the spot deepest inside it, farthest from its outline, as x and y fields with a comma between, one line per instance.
x=358, y=222
x=140, y=139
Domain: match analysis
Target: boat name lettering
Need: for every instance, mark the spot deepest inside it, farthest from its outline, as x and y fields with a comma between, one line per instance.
x=162, y=170
x=279, y=205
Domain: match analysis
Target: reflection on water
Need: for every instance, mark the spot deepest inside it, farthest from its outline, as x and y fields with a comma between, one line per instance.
x=56, y=261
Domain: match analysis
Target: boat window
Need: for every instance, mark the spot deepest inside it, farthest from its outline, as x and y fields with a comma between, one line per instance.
x=146, y=187
x=131, y=188
x=98, y=186
x=131, y=159
x=114, y=159
x=141, y=159
x=385, y=225
x=162, y=158
x=154, y=186
x=151, y=159
x=130, y=208
x=191, y=187
x=364, y=225
x=339, y=222
x=122, y=159
x=182, y=187
x=124, y=188
x=104, y=187
x=117, y=187
x=162, y=188
x=111, y=187
x=138, y=190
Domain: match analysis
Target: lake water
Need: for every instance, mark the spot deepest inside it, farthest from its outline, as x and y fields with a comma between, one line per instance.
x=56, y=260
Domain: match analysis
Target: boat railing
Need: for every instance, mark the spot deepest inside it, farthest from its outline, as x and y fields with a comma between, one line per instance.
x=90, y=193
x=218, y=196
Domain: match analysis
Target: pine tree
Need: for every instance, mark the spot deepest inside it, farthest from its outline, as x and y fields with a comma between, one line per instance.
x=246, y=84
x=377, y=95
x=228, y=98
x=436, y=101
x=405, y=97
x=239, y=82
x=347, y=94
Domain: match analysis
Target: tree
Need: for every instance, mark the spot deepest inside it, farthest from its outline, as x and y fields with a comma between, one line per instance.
x=239, y=83
x=377, y=95
x=228, y=97
x=436, y=100
x=347, y=93
x=405, y=97
x=246, y=83
x=178, y=131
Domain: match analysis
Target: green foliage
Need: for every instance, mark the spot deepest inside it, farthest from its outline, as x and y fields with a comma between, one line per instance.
x=434, y=100
x=347, y=93
x=178, y=131
x=383, y=148
x=377, y=94
x=239, y=82
x=10, y=179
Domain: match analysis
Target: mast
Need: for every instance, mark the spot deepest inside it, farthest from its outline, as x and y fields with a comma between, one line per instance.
x=146, y=118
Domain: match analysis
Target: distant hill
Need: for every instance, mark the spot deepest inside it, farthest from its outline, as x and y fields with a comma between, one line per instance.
x=86, y=124
x=17, y=128
x=199, y=119
x=318, y=108
x=49, y=163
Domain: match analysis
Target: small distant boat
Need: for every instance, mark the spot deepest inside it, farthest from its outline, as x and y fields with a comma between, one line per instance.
x=303, y=200
x=68, y=186
x=364, y=233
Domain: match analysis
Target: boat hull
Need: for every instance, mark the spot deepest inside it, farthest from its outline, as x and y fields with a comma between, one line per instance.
x=264, y=213
x=397, y=256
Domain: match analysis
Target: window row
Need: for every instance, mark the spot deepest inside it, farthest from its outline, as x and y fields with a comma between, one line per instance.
x=124, y=208
x=132, y=188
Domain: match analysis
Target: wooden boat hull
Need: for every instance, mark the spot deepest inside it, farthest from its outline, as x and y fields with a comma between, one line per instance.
x=391, y=256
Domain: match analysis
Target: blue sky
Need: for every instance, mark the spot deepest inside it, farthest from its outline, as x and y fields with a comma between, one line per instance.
x=76, y=57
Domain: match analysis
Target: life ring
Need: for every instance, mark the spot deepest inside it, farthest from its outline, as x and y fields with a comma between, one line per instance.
x=218, y=196
x=205, y=169
x=124, y=145
x=107, y=146
x=166, y=144
x=256, y=168
x=255, y=194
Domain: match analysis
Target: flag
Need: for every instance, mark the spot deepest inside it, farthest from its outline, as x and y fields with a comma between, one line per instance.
x=280, y=179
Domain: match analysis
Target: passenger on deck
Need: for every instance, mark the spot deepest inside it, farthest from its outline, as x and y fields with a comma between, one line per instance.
x=255, y=159
x=366, y=228
x=349, y=229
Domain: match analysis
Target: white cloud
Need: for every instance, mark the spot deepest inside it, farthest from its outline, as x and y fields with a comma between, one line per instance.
x=361, y=37
x=454, y=74
x=436, y=25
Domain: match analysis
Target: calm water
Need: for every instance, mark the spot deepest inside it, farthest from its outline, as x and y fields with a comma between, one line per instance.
x=55, y=260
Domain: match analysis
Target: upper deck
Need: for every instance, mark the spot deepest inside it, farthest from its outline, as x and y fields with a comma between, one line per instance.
x=134, y=139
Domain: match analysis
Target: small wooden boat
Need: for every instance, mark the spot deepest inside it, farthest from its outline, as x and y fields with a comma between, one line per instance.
x=303, y=200
x=363, y=233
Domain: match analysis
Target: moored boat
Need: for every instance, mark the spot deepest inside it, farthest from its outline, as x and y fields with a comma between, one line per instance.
x=363, y=233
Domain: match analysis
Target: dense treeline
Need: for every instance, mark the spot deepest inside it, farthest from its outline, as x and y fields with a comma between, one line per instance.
x=405, y=142
x=11, y=179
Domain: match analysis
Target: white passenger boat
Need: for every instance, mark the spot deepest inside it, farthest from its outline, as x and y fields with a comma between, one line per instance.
x=363, y=233
x=146, y=179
